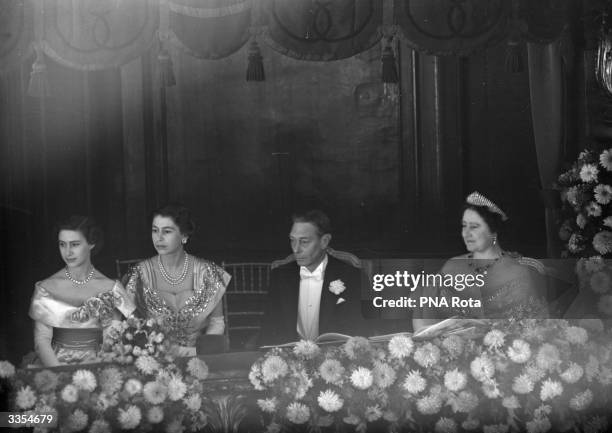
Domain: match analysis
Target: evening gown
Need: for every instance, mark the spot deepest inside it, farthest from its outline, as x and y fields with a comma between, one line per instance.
x=74, y=327
x=184, y=325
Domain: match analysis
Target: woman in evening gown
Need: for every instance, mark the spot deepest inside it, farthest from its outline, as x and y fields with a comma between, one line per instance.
x=71, y=307
x=507, y=285
x=183, y=290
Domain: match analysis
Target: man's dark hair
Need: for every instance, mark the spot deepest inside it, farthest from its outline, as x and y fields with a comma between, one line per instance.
x=315, y=217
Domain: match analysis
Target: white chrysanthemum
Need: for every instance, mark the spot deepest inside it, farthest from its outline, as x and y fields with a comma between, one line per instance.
x=330, y=401
x=6, y=369
x=588, y=173
x=576, y=335
x=495, y=428
x=26, y=398
x=84, y=379
x=548, y=357
x=494, y=339
x=600, y=282
x=414, y=382
x=519, y=352
x=593, y=209
x=534, y=372
x=132, y=386
x=254, y=375
x=268, y=405
x=155, y=392
x=306, y=349
x=522, y=384
x=274, y=367
x=464, y=402
x=298, y=413
x=373, y=413
x=605, y=159
x=602, y=242
x=130, y=417
x=605, y=305
x=490, y=389
x=147, y=364
x=573, y=373
x=362, y=378
x=302, y=382
x=429, y=404
x=550, y=389
x=582, y=400
x=331, y=371
x=482, y=368
x=427, y=355
x=455, y=380
x=581, y=220
x=77, y=421
x=111, y=380
x=538, y=425
x=400, y=346
x=197, y=368
x=603, y=194
x=575, y=243
x=384, y=375
x=591, y=368
x=511, y=402
x=355, y=345
x=176, y=388
x=155, y=415
x=445, y=425
x=453, y=345
x=193, y=402
x=106, y=401
x=608, y=222
x=70, y=393
x=99, y=426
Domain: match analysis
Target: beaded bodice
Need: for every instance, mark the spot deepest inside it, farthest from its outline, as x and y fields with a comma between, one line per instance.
x=183, y=325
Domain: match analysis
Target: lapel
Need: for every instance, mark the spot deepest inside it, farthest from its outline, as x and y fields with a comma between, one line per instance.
x=328, y=299
x=291, y=291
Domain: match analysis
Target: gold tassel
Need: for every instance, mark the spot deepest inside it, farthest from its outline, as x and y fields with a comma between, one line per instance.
x=166, y=68
x=389, y=71
x=255, y=69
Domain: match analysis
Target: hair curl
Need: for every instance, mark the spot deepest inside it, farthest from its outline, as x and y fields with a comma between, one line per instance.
x=181, y=215
x=87, y=226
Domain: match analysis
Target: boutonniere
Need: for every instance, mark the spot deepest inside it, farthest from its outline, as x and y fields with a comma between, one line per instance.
x=337, y=287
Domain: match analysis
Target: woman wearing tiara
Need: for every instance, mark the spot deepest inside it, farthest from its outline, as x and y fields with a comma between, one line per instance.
x=183, y=290
x=502, y=284
x=71, y=307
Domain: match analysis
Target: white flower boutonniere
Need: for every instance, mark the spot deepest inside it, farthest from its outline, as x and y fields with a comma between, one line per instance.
x=337, y=287
x=340, y=301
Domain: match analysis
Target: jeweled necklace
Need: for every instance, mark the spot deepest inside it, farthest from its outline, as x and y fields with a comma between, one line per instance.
x=171, y=280
x=483, y=269
x=80, y=282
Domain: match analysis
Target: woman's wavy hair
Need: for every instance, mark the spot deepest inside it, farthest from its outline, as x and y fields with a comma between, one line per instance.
x=87, y=226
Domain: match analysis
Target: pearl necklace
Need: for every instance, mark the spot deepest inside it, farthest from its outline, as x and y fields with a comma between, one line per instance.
x=80, y=282
x=483, y=269
x=171, y=280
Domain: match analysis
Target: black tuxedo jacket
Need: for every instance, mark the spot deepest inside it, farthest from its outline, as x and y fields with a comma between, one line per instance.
x=279, y=324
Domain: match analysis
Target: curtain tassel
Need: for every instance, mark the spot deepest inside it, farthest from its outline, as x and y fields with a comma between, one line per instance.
x=389, y=72
x=166, y=69
x=255, y=69
x=514, y=58
x=38, y=87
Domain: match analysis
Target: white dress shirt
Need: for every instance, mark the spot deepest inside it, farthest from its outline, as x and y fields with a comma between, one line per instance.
x=309, y=304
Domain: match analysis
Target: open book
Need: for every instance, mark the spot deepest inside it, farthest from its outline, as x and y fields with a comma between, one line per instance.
x=467, y=328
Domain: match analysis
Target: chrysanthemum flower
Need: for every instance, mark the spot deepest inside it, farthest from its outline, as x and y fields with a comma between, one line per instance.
x=608, y=222
x=455, y=380
x=605, y=159
x=575, y=243
x=464, y=402
x=522, y=384
x=100, y=426
x=146, y=364
x=581, y=220
x=602, y=242
x=400, y=346
x=384, y=375
x=154, y=392
x=70, y=393
x=26, y=397
x=582, y=400
x=193, y=402
x=538, y=425
x=445, y=425
x=362, y=378
x=414, y=382
x=77, y=420
x=354, y=346
x=133, y=386
x=453, y=345
x=254, y=376
x=429, y=404
x=175, y=426
x=176, y=387
x=46, y=381
x=330, y=401
x=6, y=369
x=511, y=402
x=603, y=194
x=84, y=379
x=482, y=368
x=576, y=335
x=548, y=357
x=268, y=405
x=605, y=305
x=588, y=173
x=274, y=367
x=427, y=355
x=298, y=413
x=306, y=349
x=155, y=415
x=573, y=373
x=105, y=401
x=534, y=372
x=519, y=352
x=550, y=389
x=494, y=338
x=331, y=371
x=593, y=209
x=130, y=417
x=197, y=368
x=373, y=413
x=490, y=389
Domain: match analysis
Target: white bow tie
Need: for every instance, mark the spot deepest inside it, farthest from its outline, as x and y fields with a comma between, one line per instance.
x=305, y=274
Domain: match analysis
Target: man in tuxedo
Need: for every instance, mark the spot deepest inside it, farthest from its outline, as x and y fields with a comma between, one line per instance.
x=314, y=294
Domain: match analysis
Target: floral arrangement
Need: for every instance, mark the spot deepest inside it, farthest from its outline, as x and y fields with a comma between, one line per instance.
x=146, y=396
x=141, y=341
x=530, y=375
x=586, y=196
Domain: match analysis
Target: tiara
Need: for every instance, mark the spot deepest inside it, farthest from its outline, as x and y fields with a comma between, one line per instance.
x=477, y=199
